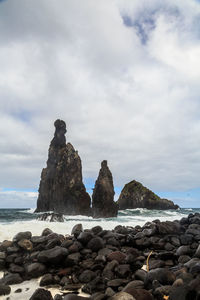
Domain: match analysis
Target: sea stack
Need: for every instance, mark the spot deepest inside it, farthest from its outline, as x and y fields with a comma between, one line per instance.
x=61, y=187
x=135, y=195
x=103, y=205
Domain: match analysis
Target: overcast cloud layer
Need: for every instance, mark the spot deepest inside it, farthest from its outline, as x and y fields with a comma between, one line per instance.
x=123, y=74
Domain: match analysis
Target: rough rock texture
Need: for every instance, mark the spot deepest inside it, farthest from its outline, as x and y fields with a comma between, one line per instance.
x=89, y=260
x=103, y=205
x=135, y=195
x=61, y=188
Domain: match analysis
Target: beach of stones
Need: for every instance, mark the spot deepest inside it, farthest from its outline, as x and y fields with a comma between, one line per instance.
x=160, y=260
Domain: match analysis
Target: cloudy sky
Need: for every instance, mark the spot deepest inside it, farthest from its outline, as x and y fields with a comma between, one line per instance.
x=125, y=77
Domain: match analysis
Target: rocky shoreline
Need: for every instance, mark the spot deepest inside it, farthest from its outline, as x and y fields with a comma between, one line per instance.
x=160, y=260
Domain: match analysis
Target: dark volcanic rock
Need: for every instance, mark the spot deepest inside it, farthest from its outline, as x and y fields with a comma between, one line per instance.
x=103, y=205
x=35, y=270
x=135, y=195
x=4, y=289
x=61, y=187
x=41, y=294
x=53, y=256
x=11, y=279
x=51, y=217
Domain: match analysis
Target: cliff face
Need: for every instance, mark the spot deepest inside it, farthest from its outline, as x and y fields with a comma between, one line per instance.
x=103, y=205
x=61, y=188
x=135, y=195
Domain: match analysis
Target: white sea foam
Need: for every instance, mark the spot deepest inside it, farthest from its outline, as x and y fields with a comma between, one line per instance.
x=8, y=230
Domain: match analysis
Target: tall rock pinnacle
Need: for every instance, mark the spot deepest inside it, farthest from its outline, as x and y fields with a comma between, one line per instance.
x=61, y=187
x=103, y=205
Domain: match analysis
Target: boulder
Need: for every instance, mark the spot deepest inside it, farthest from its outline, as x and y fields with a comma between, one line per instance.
x=135, y=195
x=95, y=244
x=61, y=187
x=103, y=205
x=4, y=290
x=41, y=294
x=35, y=270
x=54, y=255
x=11, y=279
x=122, y=296
x=47, y=279
x=22, y=235
x=26, y=244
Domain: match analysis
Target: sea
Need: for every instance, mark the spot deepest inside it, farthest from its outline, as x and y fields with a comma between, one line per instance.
x=15, y=220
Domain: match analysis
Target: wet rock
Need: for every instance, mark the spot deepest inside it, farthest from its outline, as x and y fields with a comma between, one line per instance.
x=183, y=259
x=117, y=255
x=186, y=239
x=39, y=239
x=104, y=251
x=184, y=250
x=72, y=259
x=122, y=296
x=51, y=217
x=141, y=294
x=135, y=284
x=77, y=229
x=123, y=271
x=25, y=244
x=46, y=231
x=47, y=279
x=11, y=279
x=140, y=275
x=103, y=204
x=163, y=275
x=4, y=289
x=97, y=229
x=162, y=291
x=109, y=292
x=22, y=235
x=181, y=293
x=96, y=285
x=16, y=269
x=58, y=297
x=73, y=297
x=175, y=241
x=168, y=227
x=35, y=270
x=197, y=253
x=5, y=244
x=87, y=276
x=85, y=237
x=108, y=272
x=117, y=282
x=95, y=244
x=2, y=255
x=41, y=294
x=54, y=256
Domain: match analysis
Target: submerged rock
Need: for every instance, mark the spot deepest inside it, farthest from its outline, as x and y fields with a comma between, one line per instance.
x=51, y=217
x=103, y=205
x=135, y=195
x=61, y=187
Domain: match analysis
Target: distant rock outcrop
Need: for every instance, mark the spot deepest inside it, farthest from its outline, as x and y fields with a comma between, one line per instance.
x=61, y=187
x=135, y=195
x=103, y=205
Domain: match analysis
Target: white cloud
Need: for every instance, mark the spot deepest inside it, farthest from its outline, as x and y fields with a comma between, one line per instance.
x=133, y=103
x=22, y=199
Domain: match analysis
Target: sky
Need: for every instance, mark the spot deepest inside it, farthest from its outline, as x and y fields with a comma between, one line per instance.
x=124, y=76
